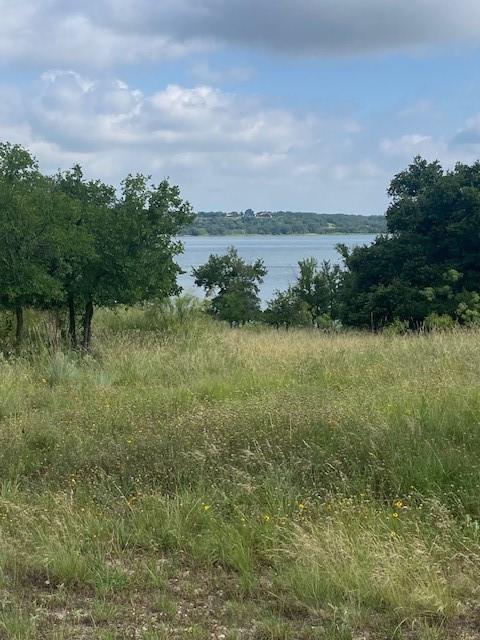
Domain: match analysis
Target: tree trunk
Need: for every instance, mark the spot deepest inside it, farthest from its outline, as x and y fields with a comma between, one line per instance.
x=19, y=325
x=87, y=326
x=72, y=325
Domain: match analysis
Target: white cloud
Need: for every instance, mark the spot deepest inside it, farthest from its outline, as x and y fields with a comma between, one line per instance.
x=78, y=113
x=224, y=149
x=464, y=146
x=410, y=144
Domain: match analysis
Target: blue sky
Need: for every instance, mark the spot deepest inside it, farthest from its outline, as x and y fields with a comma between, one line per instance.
x=273, y=104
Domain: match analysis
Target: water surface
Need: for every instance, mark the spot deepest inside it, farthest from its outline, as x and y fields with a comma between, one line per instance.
x=279, y=253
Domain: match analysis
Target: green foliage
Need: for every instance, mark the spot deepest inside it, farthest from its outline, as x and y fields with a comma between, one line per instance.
x=319, y=288
x=468, y=309
x=287, y=310
x=237, y=304
x=313, y=300
x=283, y=223
x=396, y=328
x=131, y=253
x=69, y=243
x=234, y=284
x=436, y=322
x=30, y=251
x=428, y=262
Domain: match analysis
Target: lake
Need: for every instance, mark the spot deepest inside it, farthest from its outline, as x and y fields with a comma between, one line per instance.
x=279, y=253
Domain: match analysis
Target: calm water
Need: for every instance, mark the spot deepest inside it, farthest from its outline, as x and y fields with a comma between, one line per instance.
x=279, y=253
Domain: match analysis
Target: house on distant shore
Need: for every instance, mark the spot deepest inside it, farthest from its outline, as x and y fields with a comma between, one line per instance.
x=249, y=213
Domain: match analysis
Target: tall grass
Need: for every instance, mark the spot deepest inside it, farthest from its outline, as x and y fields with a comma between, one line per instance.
x=329, y=483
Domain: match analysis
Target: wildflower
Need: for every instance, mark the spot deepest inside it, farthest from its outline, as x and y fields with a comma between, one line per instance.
x=395, y=514
x=301, y=506
x=206, y=507
x=266, y=517
x=398, y=504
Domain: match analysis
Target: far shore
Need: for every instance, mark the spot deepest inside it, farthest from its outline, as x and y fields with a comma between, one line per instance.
x=276, y=235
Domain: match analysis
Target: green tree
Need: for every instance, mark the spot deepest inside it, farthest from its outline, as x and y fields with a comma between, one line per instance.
x=319, y=288
x=67, y=241
x=125, y=245
x=432, y=223
x=234, y=285
x=287, y=310
x=29, y=241
x=88, y=215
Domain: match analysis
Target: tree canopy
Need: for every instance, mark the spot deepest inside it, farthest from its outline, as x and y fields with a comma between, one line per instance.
x=312, y=301
x=234, y=285
x=429, y=259
x=71, y=243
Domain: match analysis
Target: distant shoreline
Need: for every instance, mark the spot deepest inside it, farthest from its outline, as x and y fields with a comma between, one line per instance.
x=278, y=235
x=283, y=223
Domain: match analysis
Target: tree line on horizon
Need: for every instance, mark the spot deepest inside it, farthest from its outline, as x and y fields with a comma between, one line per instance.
x=424, y=271
x=283, y=223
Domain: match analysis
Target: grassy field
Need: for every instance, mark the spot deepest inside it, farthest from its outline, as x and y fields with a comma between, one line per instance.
x=202, y=482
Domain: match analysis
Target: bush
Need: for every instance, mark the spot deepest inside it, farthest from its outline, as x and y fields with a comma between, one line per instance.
x=396, y=328
x=439, y=322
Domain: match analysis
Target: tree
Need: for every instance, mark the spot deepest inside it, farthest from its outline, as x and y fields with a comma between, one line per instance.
x=69, y=242
x=127, y=244
x=432, y=222
x=238, y=305
x=287, y=310
x=88, y=221
x=29, y=242
x=319, y=288
x=234, y=285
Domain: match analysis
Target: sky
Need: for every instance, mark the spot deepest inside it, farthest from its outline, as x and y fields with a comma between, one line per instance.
x=303, y=105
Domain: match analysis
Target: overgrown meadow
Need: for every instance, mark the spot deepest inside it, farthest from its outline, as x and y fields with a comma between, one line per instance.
x=188, y=480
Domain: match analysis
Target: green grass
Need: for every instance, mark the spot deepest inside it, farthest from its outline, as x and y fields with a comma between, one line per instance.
x=202, y=482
